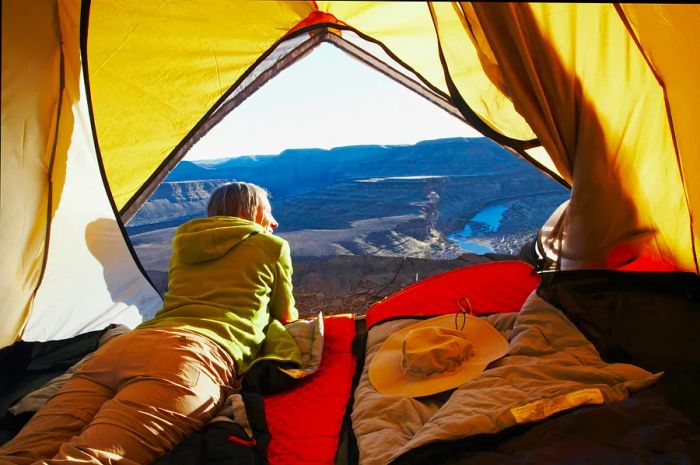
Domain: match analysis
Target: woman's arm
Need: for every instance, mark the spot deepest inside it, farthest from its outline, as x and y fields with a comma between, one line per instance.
x=282, y=305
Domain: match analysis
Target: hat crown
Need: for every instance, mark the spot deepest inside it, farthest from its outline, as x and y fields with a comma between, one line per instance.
x=432, y=351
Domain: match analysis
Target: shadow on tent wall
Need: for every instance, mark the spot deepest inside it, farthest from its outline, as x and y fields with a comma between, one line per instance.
x=566, y=120
x=104, y=238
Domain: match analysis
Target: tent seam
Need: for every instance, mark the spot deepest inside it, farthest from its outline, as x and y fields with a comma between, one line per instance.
x=84, y=22
x=49, y=200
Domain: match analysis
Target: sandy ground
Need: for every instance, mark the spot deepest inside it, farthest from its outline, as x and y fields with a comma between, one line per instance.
x=351, y=284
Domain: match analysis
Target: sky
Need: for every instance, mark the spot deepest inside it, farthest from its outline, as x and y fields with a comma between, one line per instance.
x=327, y=99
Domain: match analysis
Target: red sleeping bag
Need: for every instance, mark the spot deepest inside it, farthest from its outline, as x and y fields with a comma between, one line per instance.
x=495, y=287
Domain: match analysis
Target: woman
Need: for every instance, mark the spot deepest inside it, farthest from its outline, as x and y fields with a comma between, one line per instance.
x=145, y=391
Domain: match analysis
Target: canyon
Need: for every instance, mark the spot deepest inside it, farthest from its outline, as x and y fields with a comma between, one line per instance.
x=371, y=207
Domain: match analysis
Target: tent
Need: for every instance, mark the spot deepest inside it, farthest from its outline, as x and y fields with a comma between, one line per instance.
x=100, y=100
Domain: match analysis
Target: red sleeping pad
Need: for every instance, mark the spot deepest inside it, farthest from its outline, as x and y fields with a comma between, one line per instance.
x=495, y=287
x=305, y=421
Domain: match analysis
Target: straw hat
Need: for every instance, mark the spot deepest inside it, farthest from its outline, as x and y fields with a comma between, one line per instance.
x=433, y=356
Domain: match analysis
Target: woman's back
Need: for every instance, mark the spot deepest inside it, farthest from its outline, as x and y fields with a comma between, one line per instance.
x=228, y=277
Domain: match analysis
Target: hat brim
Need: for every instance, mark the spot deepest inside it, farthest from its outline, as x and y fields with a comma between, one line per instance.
x=387, y=376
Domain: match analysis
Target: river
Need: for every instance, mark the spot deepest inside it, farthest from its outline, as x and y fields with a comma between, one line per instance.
x=491, y=216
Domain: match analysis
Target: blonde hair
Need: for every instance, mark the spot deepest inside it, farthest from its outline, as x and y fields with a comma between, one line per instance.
x=240, y=199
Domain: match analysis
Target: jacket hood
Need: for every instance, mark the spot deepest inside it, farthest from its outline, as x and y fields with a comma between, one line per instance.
x=205, y=239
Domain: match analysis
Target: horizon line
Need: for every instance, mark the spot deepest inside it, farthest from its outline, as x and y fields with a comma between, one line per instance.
x=212, y=161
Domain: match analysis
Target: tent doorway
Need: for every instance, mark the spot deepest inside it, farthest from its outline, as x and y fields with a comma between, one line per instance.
x=358, y=167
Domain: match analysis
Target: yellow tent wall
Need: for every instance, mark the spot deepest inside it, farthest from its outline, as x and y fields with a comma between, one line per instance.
x=599, y=111
x=67, y=268
x=668, y=38
x=28, y=88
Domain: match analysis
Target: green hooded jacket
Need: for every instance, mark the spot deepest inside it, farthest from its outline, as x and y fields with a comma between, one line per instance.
x=231, y=282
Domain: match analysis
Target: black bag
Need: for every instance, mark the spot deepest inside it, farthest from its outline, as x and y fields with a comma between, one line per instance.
x=226, y=443
x=649, y=319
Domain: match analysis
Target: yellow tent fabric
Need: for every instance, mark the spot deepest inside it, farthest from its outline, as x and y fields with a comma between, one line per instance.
x=599, y=112
x=27, y=149
x=667, y=35
x=601, y=96
x=67, y=268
